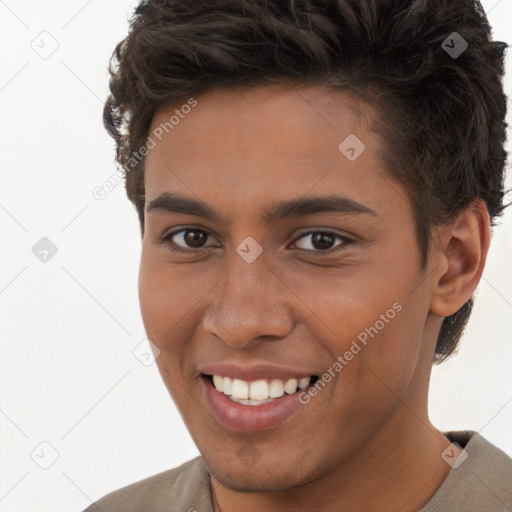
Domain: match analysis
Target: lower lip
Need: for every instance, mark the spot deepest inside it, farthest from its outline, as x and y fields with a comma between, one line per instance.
x=249, y=418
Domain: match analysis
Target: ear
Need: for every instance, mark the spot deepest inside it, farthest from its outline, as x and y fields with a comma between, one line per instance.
x=458, y=258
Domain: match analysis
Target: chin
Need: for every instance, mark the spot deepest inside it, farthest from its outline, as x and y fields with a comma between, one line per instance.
x=269, y=476
x=254, y=480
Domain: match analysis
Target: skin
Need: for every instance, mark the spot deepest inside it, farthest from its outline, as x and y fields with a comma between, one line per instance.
x=365, y=442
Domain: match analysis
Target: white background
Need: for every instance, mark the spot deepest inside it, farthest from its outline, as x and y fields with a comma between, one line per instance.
x=69, y=326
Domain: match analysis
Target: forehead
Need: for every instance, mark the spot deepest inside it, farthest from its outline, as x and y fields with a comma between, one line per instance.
x=266, y=141
x=303, y=116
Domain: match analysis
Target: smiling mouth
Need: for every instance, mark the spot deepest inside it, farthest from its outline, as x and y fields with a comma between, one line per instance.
x=260, y=391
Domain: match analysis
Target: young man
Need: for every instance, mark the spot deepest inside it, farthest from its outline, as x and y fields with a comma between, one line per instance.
x=316, y=183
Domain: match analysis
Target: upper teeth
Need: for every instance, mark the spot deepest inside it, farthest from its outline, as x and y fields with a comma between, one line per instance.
x=259, y=389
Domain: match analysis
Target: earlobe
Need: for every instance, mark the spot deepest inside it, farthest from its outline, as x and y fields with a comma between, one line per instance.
x=460, y=254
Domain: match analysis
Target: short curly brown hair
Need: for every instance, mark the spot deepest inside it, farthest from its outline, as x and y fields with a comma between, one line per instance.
x=441, y=115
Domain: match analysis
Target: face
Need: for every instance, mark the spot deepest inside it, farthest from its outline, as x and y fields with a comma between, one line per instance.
x=272, y=254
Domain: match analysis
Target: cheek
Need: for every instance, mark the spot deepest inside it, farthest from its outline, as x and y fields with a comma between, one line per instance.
x=369, y=318
x=390, y=342
x=164, y=307
x=156, y=302
x=350, y=302
x=167, y=298
x=172, y=301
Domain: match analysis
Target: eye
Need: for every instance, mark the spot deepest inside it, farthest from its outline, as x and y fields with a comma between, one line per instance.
x=186, y=240
x=321, y=241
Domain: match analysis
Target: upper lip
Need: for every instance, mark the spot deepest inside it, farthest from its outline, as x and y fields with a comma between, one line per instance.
x=253, y=372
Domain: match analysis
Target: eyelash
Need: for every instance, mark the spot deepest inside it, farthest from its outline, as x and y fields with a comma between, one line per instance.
x=166, y=240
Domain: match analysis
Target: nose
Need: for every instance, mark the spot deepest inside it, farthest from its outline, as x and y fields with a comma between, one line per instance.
x=251, y=302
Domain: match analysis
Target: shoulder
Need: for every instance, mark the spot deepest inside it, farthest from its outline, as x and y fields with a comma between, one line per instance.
x=482, y=480
x=184, y=488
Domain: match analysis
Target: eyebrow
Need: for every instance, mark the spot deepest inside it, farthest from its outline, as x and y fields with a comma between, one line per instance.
x=174, y=203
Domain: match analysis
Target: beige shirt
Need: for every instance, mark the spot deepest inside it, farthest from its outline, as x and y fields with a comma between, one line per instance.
x=482, y=483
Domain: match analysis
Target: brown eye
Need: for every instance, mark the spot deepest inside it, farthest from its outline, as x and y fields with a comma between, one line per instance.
x=195, y=238
x=188, y=239
x=321, y=241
